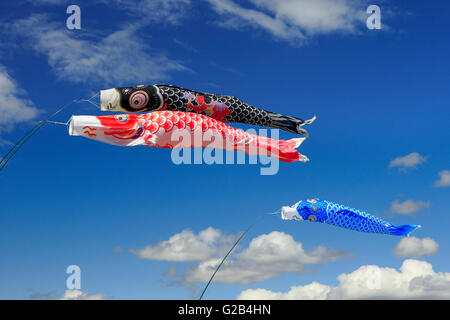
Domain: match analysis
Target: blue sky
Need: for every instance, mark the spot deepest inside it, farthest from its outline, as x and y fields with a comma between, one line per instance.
x=381, y=138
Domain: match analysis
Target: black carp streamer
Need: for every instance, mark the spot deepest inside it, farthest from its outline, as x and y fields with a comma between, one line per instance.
x=158, y=97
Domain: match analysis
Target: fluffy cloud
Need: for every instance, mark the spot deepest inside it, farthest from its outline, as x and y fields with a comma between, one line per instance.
x=267, y=256
x=408, y=207
x=80, y=58
x=444, y=180
x=409, y=161
x=108, y=60
x=312, y=291
x=187, y=246
x=14, y=107
x=416, y=248
x=414, y=280
x=294, y=20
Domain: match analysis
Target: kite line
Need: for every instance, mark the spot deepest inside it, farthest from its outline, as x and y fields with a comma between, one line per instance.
x=32, y=131
x=234, y=245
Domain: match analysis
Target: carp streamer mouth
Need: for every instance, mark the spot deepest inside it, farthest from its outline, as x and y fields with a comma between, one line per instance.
x=139, y=132
x=127, y=134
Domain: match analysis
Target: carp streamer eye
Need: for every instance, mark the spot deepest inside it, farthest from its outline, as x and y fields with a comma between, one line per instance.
x=122, y=118
x=138, y=99
x=312, y=218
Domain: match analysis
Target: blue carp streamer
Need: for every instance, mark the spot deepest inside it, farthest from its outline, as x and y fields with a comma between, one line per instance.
x=316, y=210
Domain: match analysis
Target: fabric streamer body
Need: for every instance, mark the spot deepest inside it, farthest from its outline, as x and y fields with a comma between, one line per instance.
x=175, y=129
x=316, y=210
x=158, y=97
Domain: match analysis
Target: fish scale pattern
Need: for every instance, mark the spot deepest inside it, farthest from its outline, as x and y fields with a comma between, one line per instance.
x=177, y=129
x=354, y=219
x=162, y=97
x=316, y=210
x=178, y=99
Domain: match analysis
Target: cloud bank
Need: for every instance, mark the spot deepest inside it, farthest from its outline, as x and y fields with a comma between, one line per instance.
x=187, y=246
x=414, y=280
x=266, y=257
x=294, y=21
x=107, y=60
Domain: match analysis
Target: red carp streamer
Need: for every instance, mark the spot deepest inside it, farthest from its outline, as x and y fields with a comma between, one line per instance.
x=177, y=129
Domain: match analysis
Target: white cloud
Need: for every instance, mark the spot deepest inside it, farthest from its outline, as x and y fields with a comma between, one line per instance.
x=162, y=11
x=294, y=20
x=186, y=246
x=267, y=256
x=118, y=58
x=239, y=16
x=80, y=295
x=444, y=180
x=312, y=291
x=408, y=207
x=409, y=161
x=415, y=280
x=315, y=17
x=14, y=107
x=167, y=11
x=416, y=248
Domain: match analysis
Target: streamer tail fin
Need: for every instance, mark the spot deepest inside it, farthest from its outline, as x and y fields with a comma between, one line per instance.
x=286, y=150
x=291, y=124
x=404, y=230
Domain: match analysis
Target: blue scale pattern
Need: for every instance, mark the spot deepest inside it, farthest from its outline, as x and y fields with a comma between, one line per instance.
x=316, y=210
